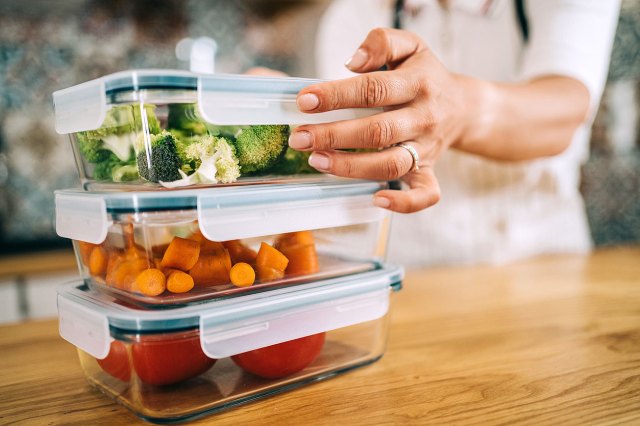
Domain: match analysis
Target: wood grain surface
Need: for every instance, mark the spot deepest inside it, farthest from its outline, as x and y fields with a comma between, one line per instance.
x=553, y=340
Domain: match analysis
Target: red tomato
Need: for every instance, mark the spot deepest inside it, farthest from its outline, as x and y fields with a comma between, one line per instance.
x=165, y=360
x=117, y=362
x=283, y=359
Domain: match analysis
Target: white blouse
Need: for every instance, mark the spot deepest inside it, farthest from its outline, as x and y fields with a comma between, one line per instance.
x=491, y=211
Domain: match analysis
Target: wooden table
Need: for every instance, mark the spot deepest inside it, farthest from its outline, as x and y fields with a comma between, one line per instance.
x=554, y=340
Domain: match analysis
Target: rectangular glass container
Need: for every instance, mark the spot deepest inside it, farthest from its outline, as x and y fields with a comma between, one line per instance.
x=164, y=248
x=177, y=364
x=154, y=129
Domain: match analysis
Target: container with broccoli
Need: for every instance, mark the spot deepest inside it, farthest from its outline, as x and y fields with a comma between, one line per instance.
x=173, y=147
x=154, y=129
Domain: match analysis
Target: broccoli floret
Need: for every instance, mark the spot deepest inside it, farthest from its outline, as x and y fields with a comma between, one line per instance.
x=292, y=163
x=160, y=161
x=184, y=120
x=117, y=133
x=92, y=150
x=211, y=158
x=113, y=170
x=125, y=173
x=152, y=121
x=259, y=147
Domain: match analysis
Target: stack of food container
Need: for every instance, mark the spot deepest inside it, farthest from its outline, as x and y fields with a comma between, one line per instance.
x=217, y=267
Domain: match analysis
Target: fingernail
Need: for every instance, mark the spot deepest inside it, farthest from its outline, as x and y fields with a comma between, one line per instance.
x=301, y=140
x=308, y=102
x=319, y=161
x=357, y=60
x=381, y=202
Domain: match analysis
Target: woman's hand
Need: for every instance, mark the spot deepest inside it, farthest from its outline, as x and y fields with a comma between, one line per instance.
x=423, y=107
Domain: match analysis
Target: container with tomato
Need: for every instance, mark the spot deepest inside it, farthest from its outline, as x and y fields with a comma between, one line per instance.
x=180, y=362
x=163, y=248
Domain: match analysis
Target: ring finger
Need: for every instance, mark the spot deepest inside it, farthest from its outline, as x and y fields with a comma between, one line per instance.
x=378, y=131
x=390, y=163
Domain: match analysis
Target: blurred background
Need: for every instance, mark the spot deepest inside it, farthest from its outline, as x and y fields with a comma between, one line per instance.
x=46, y=45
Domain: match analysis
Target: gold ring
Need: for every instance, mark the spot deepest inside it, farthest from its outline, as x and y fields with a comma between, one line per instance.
x=414, y=154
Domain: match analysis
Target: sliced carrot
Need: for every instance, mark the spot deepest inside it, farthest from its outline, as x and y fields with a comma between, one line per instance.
x=151, y=282
x=125, y=273
x=242, y=275
x=179, y=282
x=158, y=250
x=269, y=256
x=85, y=250
x=302, y=260
x=267, y=273
x=240, y=252
x=181, y=254
x=299, y=248
x=115, y=259
x=294, y=240
x=212, y=269
x=98, y=261
x=206, y=246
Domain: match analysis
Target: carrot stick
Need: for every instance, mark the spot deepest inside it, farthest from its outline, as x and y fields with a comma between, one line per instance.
x=181, y=254
x=212, y=269
x=179, y=282
x=125, y=274
x=98, y=261
x=151, y=282
x=206, y=246
x=294, y=239
x=299, y=248
x=242, y=275
x=269, y=256
x=267, y=273
x=240, y=252
x=85, y=250
x=302, y=261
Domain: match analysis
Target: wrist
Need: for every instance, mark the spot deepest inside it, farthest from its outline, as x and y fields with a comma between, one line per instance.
x=478, y=113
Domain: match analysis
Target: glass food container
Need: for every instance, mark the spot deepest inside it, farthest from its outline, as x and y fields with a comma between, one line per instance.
x=177, y=364
x=159, y=248
x=153, y=129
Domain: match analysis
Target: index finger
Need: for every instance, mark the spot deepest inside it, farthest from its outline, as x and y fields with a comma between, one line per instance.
x=384, y=46
x=376, y=89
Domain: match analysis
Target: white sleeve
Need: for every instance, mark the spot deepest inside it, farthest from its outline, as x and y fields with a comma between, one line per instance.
x=571, y=38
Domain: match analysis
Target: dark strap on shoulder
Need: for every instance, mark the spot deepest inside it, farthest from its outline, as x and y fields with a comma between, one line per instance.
x=397, y=14
x=521, y=14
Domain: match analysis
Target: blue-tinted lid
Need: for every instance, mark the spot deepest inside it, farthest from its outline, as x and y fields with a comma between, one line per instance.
x=230, y=326
x=222, y=99
x=227, y=213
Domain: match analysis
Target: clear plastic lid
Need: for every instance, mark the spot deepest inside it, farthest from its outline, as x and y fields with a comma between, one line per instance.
x=227, y=213
x=91, y=320
x=222, y=99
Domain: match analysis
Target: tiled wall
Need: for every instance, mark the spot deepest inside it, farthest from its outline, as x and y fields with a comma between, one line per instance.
x=611, y=177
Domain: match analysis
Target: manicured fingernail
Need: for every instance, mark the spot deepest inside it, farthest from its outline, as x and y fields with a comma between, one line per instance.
x=300, y=140
x=357, y=60
x=319, y=161
x=381, y=202
x=308, y=102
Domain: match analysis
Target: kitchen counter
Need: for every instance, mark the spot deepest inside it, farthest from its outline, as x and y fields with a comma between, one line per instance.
x=553, y=340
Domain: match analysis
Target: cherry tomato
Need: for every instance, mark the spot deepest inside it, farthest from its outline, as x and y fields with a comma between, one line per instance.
x=116, y=363
x=283, y=359
x=165, y=360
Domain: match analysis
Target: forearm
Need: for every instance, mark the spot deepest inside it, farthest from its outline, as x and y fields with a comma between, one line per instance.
x=514, y=122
